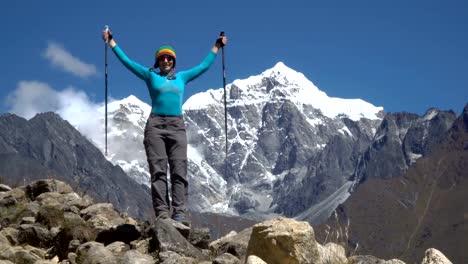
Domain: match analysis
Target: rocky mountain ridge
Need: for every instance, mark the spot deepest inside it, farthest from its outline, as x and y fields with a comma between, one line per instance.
x=424, y=206
x=47, y=146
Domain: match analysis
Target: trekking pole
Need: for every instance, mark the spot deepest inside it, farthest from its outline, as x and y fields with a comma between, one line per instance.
x=106, y=29
x=225, y=95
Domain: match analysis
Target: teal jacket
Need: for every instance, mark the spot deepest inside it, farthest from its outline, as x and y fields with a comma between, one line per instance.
x=166, y=95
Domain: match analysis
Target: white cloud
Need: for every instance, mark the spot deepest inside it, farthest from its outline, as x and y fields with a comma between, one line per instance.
x=32, y=97
x=64, y=60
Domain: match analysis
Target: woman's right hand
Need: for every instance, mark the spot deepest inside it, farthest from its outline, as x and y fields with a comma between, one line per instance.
x=107, y=35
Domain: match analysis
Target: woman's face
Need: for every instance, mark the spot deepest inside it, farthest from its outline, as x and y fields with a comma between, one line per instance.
x=165, y=63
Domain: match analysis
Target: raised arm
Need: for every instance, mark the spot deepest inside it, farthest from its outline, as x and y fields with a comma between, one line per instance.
x=198, y=70
x=141, y=71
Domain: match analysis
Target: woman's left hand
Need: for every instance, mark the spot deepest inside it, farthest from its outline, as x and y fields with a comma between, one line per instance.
x=221, y=41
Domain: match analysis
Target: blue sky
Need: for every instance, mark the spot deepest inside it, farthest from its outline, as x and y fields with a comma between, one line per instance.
x=402, y=55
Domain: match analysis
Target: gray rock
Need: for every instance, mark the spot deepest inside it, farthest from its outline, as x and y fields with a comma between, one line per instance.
x=434, y=256
x=102, y=216
x=72, y=257
x=235, y=245
x=141, y=246
x=69, y=200
x=371, y=260
x=36, y=188
x=11, y=234
x=226, y=258
x=332, y=253
x=4, y=240
x=166, y=238
x=183, y=229
x=73, y=232
x=252, y=259
x=28, y=220
x=125, y=233
x=200, y=237
x=118, y=248
x=21, y=255
x=73, y=245
x=94, y=253
x=4, y=188
x=35, y=235
x=135, y=257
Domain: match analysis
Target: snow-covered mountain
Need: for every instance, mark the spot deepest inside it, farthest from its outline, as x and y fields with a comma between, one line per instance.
x=278, y=122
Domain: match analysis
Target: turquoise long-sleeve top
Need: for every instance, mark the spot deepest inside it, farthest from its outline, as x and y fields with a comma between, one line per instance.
x=166, y=95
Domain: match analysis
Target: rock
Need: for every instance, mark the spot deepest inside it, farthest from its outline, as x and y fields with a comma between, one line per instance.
x=11, y=234
x=4, y=240
x=166, y=238
x=19, y=254
x=53, y=227
x=168, y=255
x=135, y=257
x=180, y=260
x=252, y=259
x=46, y=262
x=236, y=245
x=200, y=237
x=125, y=233
x=8, y=201
x=226, y=258
x=72, y=258
x=68, y=199
x=17, y=193
x=183, y=229
x=36, y=188
x=214, y=246
x=28, y=220
x=434, y=256
x=102, y=216
x=34, y=235
x=4, y=188
x=73, y=245
x=75, y=229
x=36, y=251
x=118, y=248
x=367, y=259
x=94, y=253
x=332, y=253
x=141, y=246
x=51, y=215
x=283, y=240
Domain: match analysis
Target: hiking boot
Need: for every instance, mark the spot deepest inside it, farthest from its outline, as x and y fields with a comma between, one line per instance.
x=162, y=215
x=181, y=219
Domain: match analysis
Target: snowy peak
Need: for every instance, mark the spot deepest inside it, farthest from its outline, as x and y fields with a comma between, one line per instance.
x=281, y=71
x=430, y=114
x=130, y=109
x=130, y=103
x=283, y=83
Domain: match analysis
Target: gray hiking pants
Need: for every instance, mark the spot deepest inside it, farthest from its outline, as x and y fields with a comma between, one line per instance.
x=166, y=143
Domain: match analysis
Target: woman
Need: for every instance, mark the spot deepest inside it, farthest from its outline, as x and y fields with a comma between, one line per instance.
x=165, y=139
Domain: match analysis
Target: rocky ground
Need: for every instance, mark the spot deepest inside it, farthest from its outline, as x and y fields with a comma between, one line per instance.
x=47, y=222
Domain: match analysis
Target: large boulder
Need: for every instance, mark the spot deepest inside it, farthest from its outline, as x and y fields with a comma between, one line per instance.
x=165, y=237
x=284, y=240
x=434, y=256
